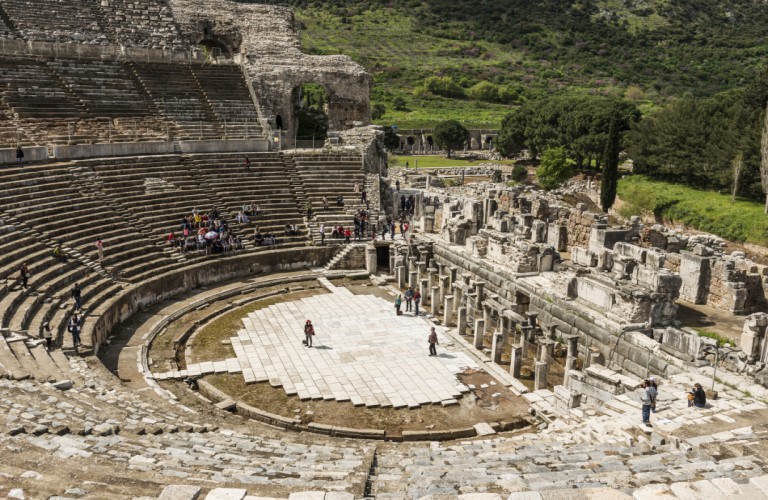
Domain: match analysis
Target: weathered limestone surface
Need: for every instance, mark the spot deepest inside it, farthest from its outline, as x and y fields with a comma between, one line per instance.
x=266, y=38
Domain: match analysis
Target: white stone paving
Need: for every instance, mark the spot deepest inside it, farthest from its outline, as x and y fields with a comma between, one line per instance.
x=362, y=353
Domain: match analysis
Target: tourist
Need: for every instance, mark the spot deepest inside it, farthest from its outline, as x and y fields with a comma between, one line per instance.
x=309, y=332
x=59, y=255
x=398, y=301
x=699, y=396
x=308, y=209
x=322, y=233
x=325, y=204
x=339, y=201
x=402, y=204
x=363, y=196
x=384, y=231
x=74, y=328
x=432, y=342
x=77, y=295
x=100, y=249
x=24, y=274
x=655, y=386
x=241, y=217
x=258, y=238
x=347, y=234
x=416, y=300
x=255, y=209
x=408, y=299
x=392, y=230
x=357, y=187
x=397, y=184
x=47, y=335
x=645, y=400
x=247, y=164
x=20, y=155
x=653, y=393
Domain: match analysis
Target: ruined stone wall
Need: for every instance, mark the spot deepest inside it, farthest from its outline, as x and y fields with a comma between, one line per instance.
x=266, y=39
x=579, y=227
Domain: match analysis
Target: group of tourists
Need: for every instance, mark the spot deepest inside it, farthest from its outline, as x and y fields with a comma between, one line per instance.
x=208, y=232
x=649, y=392
x=412, y=297
x=389, y=227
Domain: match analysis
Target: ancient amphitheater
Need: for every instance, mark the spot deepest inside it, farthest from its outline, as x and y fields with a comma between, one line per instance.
x=191, y=379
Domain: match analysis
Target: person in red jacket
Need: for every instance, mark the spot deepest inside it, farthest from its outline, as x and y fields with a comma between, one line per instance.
x=309, y=332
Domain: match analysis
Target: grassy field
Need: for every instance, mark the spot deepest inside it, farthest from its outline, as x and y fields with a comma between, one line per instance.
x=742, y=220
x=438, y=162
x=400, y=57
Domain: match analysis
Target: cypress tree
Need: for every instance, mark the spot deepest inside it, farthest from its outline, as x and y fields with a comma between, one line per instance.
x=610, y=166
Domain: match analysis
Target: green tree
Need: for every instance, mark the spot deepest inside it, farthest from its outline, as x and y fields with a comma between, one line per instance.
x=443, y=86
x=610, y=177
x=484, y=91
x=554, y=169
x=399, y=104
x=511, y=140
x=450, y=135
x=391, y=139
x=519, y=173
x=377, y=111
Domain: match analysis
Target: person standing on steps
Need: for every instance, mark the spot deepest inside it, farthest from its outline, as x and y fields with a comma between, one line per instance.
x=24, y=274
x=47, y=335
x=20, y=155
x=74, y=328
x=77, y=296
x=247, y=164
x=325, y=204
x=308, y=208
x=309, y=332
x=357, y=187
x=416, y=300
x=655, y=387
x=100, y=249
x=645, y=400
x=432, y=342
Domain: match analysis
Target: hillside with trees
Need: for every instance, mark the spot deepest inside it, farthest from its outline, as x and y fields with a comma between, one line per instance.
x=434, y=60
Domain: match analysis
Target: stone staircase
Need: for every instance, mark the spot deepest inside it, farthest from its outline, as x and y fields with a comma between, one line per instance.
x=335, y=262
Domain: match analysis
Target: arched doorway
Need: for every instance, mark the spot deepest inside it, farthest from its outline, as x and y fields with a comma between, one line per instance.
x=311, y=110
x=279, y=122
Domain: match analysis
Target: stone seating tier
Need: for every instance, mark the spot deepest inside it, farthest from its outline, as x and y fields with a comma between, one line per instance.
x=132, y=23
x=67, y=101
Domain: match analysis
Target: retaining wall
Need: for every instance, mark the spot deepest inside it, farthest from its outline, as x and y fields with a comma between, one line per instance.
x=36, y=153
x=168, y=285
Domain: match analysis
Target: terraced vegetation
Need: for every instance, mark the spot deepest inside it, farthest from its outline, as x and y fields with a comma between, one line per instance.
x=650, y=51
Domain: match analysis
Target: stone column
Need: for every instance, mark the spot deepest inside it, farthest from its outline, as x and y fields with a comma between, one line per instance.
x=435, y=301
x=457, y=295
x=573, y=346
x=424, y=289
x=411, y=264
x=445, y=286
x=371, y=259
x=421, y=268
x=546, y=350
x=524, y=339
x=504, y=326
x=516, y=361
x=479, y=333
x=440, y=268
x=432, y=277
x=552, y=332
x=541, y=376
x=570, y=364
x=461, y=321
x=496, y=346
x=413, y=279
x=532, y=318
x=479, y=291
x=391, y=262
x=400, y=276
x=448, y=311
